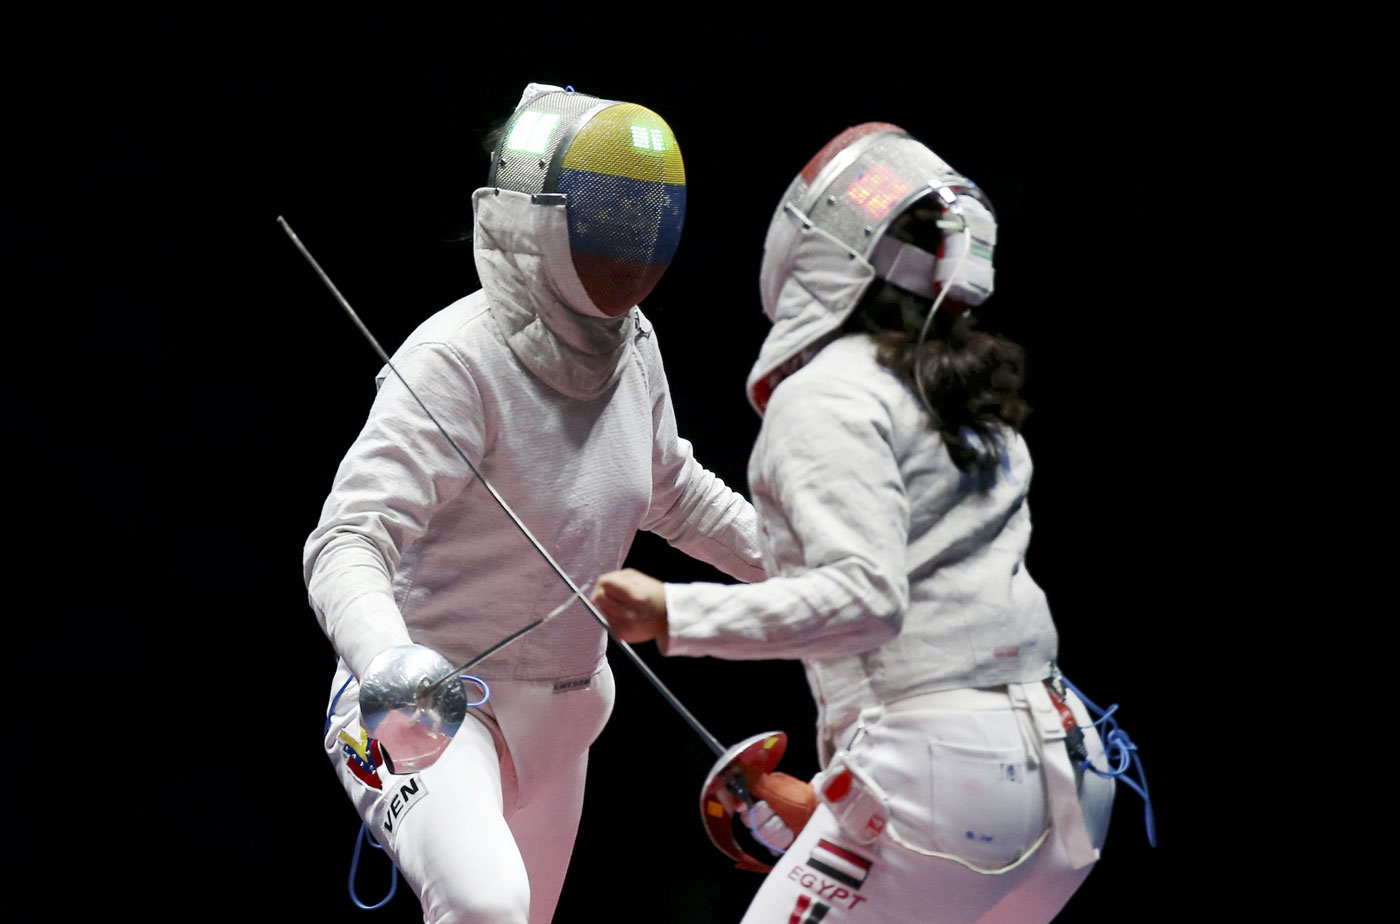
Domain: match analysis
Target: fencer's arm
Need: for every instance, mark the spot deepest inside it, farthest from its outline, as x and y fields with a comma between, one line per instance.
x=826, y=475
x=691, y=507
x=696, y=512
x=348, y=590
x=398, y=471
x=634, y=604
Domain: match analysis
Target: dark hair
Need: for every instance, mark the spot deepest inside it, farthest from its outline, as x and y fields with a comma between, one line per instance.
x=492, y=138
x=971, y=379
x=463, y=233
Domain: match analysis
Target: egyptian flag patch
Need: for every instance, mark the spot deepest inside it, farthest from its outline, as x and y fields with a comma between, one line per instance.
x=836, y=862
x=807, y=911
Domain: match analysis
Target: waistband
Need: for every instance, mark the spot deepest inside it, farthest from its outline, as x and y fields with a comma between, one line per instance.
x=968, y=700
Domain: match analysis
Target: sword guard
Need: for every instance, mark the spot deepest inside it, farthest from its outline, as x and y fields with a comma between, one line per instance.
x=729, y=789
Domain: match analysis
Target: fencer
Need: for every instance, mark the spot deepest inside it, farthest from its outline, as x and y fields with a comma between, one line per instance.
x=891, y=481
x=549, y=378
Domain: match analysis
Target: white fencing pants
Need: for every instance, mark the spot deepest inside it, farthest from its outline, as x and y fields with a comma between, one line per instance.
x=968, y=782
x=485, y=834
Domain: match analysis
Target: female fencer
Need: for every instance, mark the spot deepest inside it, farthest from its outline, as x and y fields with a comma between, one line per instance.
x=891, y=478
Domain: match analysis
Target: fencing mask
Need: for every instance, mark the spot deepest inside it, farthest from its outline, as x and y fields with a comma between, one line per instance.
x=621, y=171
x=827, y=241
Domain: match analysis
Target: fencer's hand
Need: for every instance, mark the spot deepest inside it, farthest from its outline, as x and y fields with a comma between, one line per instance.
x=633, y=603
x=769, y=827
x=786, y=796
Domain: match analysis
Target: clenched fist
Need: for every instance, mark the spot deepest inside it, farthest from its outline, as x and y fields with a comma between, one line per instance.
x=634, y=604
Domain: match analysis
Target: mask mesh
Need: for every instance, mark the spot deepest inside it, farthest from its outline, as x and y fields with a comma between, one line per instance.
x=622, y=171
x=857, y=201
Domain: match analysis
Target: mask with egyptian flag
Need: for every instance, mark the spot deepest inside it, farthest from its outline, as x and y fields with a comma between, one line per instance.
x=828, y=241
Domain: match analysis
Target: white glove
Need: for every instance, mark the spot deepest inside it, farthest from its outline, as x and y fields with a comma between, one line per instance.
x=768, y=828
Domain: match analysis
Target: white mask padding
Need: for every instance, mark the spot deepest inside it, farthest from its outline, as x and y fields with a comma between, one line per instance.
x=909, y=267
x=965, y=269
x=533, y=90
x=967, y=257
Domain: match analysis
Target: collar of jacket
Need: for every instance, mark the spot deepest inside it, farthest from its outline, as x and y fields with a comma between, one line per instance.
x=810, y=283
x=521, y=246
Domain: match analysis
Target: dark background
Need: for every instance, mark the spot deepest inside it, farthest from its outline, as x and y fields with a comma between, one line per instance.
x=182, y=388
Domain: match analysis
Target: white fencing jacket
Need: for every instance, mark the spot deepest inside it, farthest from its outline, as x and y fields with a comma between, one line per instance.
x=892, y=572
x=568, y=417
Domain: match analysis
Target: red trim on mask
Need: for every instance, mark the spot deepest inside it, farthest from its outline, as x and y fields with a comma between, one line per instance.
x=841, y=142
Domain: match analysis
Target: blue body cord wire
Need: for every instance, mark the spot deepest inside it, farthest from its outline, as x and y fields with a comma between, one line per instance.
x=360, y=840
x=1121, y=755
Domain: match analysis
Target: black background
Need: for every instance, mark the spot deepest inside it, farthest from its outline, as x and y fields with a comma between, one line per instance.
x=182, y=388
